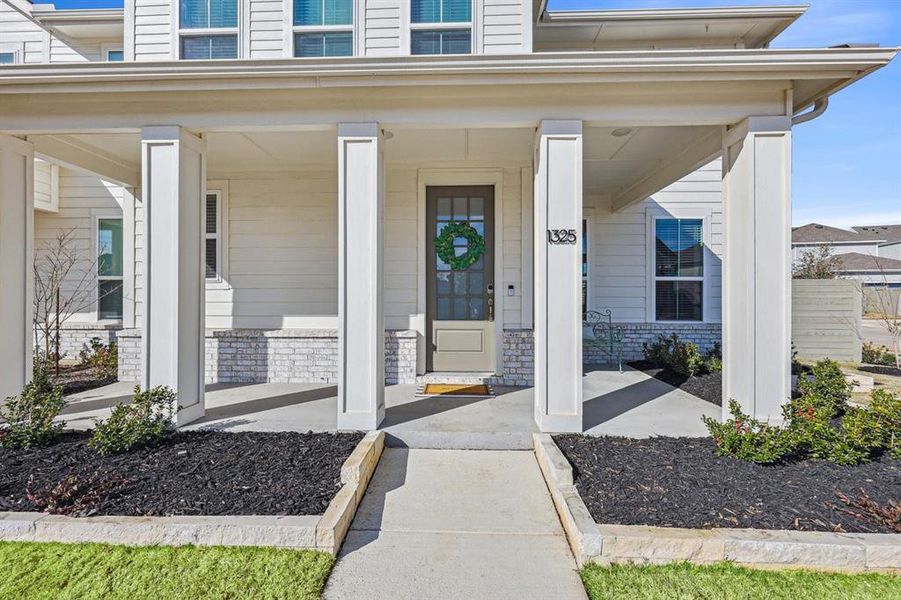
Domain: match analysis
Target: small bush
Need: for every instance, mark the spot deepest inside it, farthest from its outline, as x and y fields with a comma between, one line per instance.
x=102, y=358
x=748, y=439
x=142, y=423
x=74, y=495
x=877, y=355
x=682, y=357
x=27, y=419
x=826, y=387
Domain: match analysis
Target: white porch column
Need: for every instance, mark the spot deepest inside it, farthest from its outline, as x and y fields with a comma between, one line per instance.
x=361, y=328
x=16, y=263
x=173, y=165
x=757, y=266
x=558, y=276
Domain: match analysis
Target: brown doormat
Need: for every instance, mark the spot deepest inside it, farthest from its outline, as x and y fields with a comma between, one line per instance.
x=456, y=389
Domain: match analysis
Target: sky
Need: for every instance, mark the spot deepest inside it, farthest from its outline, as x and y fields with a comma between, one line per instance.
x=846, y=163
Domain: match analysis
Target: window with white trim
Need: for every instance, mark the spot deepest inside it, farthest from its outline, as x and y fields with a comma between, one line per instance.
x=115, y=55
x=110, y=272
x=323, y=28
x=208, y=29
x=440, y=26
x=213, y=236
x=7, y=58
x=678, y=269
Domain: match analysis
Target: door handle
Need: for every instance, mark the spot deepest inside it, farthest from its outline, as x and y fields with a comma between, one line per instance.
x=490, y=291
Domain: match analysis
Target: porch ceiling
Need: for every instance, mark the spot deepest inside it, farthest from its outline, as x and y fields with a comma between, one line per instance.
x=615, y=159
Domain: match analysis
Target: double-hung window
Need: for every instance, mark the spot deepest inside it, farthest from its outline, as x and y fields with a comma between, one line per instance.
x=440, y=26
x=323, y=28
x=208, y=29
x=213, y=235
x=678, y=269
x=109, y=269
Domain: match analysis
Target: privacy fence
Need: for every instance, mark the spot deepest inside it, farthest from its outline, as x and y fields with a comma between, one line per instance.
x=826, y=319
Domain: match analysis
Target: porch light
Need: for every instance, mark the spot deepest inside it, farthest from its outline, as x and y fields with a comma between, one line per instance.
x=621, y=131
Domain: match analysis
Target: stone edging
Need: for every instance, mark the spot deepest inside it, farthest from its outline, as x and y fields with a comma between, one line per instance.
x=324, y=533
x=606, y=544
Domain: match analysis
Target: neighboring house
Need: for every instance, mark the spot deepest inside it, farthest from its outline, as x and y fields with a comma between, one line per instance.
x=283, y=170
x=869, y=253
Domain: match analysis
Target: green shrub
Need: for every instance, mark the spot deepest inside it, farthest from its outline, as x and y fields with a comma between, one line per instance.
x=102, y=358
x=682, y=357
x=826, y=387
x=749, y=439
x=877, y=355
x=141, y=423
x=27, y=419
x=884, y=415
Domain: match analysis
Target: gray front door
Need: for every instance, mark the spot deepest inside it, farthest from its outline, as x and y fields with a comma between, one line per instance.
x=460, y=299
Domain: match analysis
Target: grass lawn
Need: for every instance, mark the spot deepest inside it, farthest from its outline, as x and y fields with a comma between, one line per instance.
x=726, y=582
x=63, y=571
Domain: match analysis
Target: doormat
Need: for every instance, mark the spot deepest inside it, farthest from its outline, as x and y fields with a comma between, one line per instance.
x=457, y=390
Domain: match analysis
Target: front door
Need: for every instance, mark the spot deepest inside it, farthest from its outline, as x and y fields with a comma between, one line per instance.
x=460, y=278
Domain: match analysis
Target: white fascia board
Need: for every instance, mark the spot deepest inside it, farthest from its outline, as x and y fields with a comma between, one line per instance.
x=843, y=65
x=674, y=14
x=79, y=16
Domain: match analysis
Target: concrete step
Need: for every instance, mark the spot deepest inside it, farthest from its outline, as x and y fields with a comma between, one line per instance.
x=455, y=377
x=459, y=440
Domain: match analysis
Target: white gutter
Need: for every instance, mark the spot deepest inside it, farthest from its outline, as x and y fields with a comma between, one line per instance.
x=819, y=107
x=672, y=14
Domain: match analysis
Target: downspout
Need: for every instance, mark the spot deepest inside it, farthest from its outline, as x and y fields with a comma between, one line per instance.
x=819, y=107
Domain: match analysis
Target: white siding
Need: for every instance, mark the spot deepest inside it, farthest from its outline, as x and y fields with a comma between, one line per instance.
x=503, y=23
x=21, y=33
x=153, y=29
x=891, y=251
x=871, y=249
x=68, y=51
x=267, y=28
x=46, y=186
x=618, y=255
x=383, y=23
x=82, y=198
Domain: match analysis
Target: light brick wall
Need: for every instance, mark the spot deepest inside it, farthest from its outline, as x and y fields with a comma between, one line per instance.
x=74, y=337
x=280, y=356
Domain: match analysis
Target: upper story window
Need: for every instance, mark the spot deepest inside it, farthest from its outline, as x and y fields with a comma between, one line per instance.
x=7, y=58
x=115, y=55
x=323, y=28
x=209, y=29
x=440, y=26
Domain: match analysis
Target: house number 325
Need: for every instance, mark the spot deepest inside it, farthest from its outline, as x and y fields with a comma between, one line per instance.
x=561, y=236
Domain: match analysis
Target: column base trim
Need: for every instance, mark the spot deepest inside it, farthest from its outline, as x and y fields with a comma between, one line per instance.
x=559, y=423
x=358, y=421
x=190, y=414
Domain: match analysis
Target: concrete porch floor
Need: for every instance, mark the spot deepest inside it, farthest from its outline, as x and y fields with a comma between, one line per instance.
x=630, y=404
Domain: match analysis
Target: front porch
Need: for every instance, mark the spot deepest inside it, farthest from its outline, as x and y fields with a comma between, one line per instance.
x=629, y=404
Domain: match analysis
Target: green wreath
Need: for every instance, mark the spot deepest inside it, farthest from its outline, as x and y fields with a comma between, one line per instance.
x=444, y=245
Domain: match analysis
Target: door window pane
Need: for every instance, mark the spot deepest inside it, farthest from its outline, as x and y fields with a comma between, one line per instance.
x=308, y=45
x=109, y=299
x=109, y=248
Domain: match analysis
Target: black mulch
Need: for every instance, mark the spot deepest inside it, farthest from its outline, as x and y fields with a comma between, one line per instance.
x=192, y=473
x=75, y=379
x=708, y=387
x=681, y=482
x=881, y=370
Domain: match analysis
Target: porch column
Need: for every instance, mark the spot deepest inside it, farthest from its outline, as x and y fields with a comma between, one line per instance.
x=16, y=263
x=558, y=276
x=173, y=165
x=757, y=266
x=361, y=328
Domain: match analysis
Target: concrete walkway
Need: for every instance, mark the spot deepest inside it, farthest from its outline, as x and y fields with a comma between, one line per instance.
x=456, y=524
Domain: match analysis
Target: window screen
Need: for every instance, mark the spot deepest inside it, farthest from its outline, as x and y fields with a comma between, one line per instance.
x=679, y=269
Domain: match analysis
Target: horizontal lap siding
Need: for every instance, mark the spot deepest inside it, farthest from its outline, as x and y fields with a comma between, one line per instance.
x=73, y=52
x=826, y=319
x=153, y=30
x=618, y=256
x=24, y=33
x=81, y=198
x=502, y=26
x=43, y=184
x=267, y=28
x=382, y=33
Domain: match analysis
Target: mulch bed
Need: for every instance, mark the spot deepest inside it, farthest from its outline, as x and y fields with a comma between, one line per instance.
x=77, y=378
x=707, y=387
x=681, y=482
x=191, y=473
x=881, y=370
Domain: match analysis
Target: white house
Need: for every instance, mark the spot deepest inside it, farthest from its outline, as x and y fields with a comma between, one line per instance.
x=269, y=178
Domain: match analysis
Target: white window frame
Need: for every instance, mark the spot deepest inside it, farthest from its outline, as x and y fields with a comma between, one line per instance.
x=471, y=25
x=220, y=190
x=355, y=33
x=178, y=32
x=95, y=237
x=17, y=49
x=654, y=215
x=105, y=49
